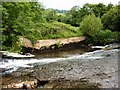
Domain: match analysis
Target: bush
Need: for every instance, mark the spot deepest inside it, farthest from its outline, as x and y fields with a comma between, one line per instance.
x=104, y=37
x=91, y=25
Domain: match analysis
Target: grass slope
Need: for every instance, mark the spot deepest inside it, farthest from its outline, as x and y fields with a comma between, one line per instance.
x=51, y=30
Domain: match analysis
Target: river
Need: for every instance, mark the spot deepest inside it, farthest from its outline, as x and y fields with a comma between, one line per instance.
x=10, y=65
x=99, y=66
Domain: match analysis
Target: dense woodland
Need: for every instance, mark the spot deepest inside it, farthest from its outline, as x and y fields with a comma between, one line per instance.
x=99, y=22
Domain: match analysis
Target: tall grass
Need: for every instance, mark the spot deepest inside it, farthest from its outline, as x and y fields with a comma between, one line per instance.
x=51, y=30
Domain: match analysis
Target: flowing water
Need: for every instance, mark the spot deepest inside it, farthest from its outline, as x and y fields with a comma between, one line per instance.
x=10, y=65
x=98, y=65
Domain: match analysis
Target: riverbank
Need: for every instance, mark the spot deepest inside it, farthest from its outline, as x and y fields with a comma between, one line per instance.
x=50, y=43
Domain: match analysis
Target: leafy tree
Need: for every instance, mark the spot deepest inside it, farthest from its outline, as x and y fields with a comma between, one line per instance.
x=109, y=6
x=111, y=20
x=72, y=16
x=91, y=25
x=76, y=14
x=11, y=12
x=37, y=12
x=16, y=20
x=97, y=9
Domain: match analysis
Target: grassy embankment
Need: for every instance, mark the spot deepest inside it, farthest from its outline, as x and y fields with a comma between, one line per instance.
x=48, y=30
x=51, y=30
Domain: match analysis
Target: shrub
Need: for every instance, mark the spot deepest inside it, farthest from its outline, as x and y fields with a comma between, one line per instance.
x=104, y=37
x=91, y=25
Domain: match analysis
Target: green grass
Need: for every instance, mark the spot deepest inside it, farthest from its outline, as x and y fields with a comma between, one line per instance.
x=51, y=30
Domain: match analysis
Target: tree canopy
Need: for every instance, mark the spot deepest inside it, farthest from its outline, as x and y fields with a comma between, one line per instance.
x=17, y=18
x=76, y=14
x=111, y=19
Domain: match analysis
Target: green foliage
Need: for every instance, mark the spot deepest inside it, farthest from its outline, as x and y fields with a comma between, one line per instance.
x=32, y=21
x=60, y=17
x=104, y=37
x=97, y=9
x=76, y=14
x=73, y=16
x=52, y=30
x=17, y=18
x=50, y=15
x=91, y=25
x=111, y=20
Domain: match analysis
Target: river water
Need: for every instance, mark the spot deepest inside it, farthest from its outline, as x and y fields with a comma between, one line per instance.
x=10, y=65
x=103, y=63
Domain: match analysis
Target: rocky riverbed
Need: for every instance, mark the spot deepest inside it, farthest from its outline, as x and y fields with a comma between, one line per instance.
x=97, y=69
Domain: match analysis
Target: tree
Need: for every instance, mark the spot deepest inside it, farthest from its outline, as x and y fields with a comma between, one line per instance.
x=97, y=9
x=109, y=6
x=76, y=14
x=111, y=20
x=91, y=25
x=16, y=20
x=11, y=28
x=73, y=16
x=37, y=12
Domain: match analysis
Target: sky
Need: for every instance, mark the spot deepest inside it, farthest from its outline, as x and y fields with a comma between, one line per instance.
x=68, y=4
